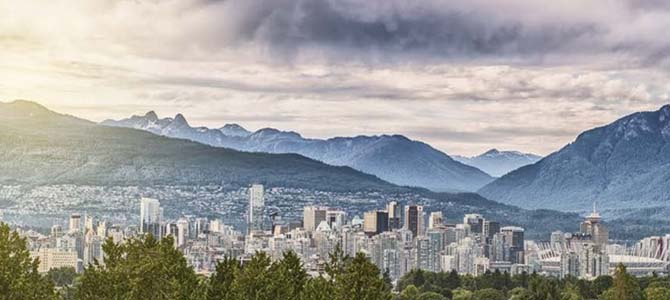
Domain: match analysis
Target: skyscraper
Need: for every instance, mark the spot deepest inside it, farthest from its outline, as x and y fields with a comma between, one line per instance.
x=375, y=222
x=182, y=231
x=312, y=217
x=256, y=206
x=150, y=217
x=490, y=228
x=435, y=220
x=75, y=223
x=414, y=219
x=514, y=239
x=394, y=215
x=594, y=227
x=476, y=222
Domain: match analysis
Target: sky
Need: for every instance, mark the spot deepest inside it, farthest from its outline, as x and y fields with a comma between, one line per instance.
x=463, y=76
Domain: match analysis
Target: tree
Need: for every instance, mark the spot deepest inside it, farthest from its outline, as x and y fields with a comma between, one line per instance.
x=411, y=292
x=318, y=288
x=288, y=277
x=139, y=269
x=461, y=294
x=488, y=294
x=254, y=281
x=19, y=278
x=570, y=292
x=220, y=285
x=431, y=296
x=63, y=276
x=361, y=280
x=657, y=293
x=625, y=285
x=520, y=293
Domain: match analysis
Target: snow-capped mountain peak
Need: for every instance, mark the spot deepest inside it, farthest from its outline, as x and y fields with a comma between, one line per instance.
x=498, y=163
x=234, y=130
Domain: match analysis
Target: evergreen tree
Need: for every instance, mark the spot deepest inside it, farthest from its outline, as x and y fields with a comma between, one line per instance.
x=625, y=286
x=361, y=280
x=411, y=292
x=19, y=278
x=255, y=281
x=488, y=294
x=139, y=269
x=220, y=285
x=318, y=288
x=288, y=277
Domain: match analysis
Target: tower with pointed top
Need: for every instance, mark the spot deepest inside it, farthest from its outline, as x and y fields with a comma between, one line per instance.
x=594, y=227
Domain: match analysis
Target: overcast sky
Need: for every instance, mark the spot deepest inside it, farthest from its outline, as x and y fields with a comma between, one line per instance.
x=464, y=76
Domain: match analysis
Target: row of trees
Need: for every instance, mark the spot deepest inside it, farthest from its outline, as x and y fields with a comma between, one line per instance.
x=148, y=269
x=502, y=286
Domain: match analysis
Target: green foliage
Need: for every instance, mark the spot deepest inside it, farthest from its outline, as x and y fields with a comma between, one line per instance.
x=220, y=286
x=488, y=294
x=657, y=293
x=625, y=286
x=431, y=296
x=462, y=294
x=19, y=278
x=63, y=276
x=410, y=293
x=139, y=269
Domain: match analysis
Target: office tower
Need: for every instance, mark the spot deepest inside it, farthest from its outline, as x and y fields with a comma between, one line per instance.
x=593, y=261
x=102, y=229
x=435, y=220
x=336, y=219
x=150, y=217
x=386, y=254
x=89, y=224
x=514, y=239
x=569, y=264
x=256, y=206
x=594, y=227
x=423, y=259
x=414, y=219
x=499, y=249
x=75, y=223
x=394, y=215
x=375, y=222
x=476, y=222
x=182, y=231
x=201, y=226
x=490, y=228
x=312, y=217
x=436, y=239
x=56, y=231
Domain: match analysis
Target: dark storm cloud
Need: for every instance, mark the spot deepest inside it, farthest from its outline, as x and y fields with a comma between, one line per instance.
x=381, y=30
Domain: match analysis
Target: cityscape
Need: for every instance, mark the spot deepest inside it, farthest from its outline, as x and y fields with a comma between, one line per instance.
x=397, y=238
x=334, y=150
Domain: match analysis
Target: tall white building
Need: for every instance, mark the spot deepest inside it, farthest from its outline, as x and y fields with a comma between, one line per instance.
x=256, y=206
x=75, y=223
x=150, y=217
x=435, y=219
x=312, y=217
x=182, y=231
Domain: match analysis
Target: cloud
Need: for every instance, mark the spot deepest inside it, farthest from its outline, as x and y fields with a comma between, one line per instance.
x=463, y=76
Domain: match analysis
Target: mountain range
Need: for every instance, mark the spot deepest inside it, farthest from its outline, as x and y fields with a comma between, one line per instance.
x=498, y=163
x=39, y=146
x=393, y=158
x=624, y=165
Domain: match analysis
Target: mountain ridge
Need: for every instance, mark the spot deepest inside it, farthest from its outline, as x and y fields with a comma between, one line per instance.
x=497, y=163
x=624, y=164
x=394, y=158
